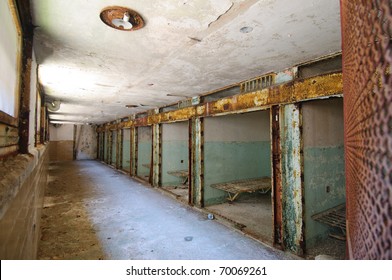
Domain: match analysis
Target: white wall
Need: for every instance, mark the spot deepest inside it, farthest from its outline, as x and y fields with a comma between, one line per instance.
x=175, y=131
x=9, y=62
x=63, y=133
x=86, y=142
x=242, y=127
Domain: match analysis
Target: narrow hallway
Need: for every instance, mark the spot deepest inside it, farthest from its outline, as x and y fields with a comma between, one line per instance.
x=92, y=211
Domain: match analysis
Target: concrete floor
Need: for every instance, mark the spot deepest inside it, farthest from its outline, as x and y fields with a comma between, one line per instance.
x=92, y=211
x=251, y=212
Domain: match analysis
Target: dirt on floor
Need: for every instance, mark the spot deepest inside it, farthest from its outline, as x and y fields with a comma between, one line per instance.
x=252, y=213
x=66, y=232
x=179, y=192
x=330, y=247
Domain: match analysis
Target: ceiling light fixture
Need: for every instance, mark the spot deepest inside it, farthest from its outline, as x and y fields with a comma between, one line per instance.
x=246, y=29
x=123, y=22
x=122, y=18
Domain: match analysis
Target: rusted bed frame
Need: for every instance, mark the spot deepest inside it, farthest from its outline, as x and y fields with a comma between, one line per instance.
x=235, y=188
x=181, y=174
x=334, y=217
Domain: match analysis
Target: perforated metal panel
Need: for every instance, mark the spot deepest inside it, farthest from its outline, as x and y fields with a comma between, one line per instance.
x=367, y=58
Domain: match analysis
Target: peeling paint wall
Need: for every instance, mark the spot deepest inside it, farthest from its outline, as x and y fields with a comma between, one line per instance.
x=61, y=142
x=235, y=147
x=291, y=178
x=324, y=174
x=85, y=142
x=144, y=143
x=175, y=151
x=126, y=150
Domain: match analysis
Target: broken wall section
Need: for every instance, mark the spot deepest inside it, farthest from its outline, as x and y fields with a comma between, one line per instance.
x=85, y=142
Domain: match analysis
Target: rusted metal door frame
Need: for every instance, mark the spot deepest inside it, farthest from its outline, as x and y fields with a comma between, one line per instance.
x=276, y=168
x=197, y=159
x=292, y=178
x=156, y=155
x=109, y=147
x=119, y=139
x=133, y=152
x=190, y=164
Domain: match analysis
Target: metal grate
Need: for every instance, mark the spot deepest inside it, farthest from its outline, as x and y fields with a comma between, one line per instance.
x=237, y=187
x=367, y=58
x=258, y=83
x=334, y=217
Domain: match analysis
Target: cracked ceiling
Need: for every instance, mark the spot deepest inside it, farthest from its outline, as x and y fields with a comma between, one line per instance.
x=186, y=48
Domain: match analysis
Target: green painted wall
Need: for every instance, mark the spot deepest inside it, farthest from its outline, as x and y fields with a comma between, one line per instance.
x=323, y=136
x=235, y=147
x=227, y=161
x=126, y=158
x=173, y=152
x=323, y=166
x=144, y=157
x=126, y=152
x=144, y=150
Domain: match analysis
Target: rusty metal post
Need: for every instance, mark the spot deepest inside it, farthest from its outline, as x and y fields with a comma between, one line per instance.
x=156, y=154
x=197, y=159
x=134, y=151
x=119, y=149
x=367, y=59
x=276, y=177
x=101, y=145
x=190, y=164
x=292, y=186
x=109, y=147
x=24, y=113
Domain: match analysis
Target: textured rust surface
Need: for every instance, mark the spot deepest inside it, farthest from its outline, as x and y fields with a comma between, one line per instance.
x=110, y=13
x=24, y=112
x=292, y=92
x=277, y=178
x=7, y=119
x=367, y=58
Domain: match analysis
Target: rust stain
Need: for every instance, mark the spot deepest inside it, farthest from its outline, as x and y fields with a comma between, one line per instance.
x=110, y=13
x=288, y=93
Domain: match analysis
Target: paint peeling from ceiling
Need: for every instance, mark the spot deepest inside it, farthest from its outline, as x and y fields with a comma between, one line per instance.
x=186, y=48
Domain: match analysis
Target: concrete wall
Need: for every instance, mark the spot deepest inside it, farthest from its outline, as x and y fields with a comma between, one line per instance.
x=22, y=186
x=85, y=142
x=235, y=147
x=175, y=151
x=144, y=150
x=323, y=162
x=61, y=142
x=126, y=151
x=9, y=57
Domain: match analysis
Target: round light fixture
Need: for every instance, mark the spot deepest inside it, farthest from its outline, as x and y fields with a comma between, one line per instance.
x=122, y=18
x=246, y=29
